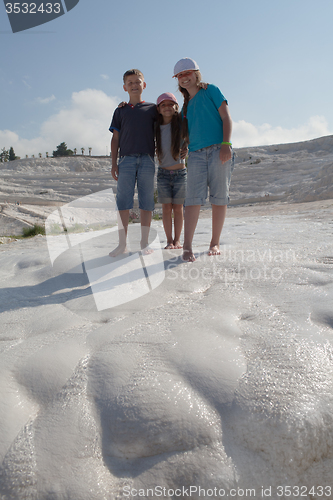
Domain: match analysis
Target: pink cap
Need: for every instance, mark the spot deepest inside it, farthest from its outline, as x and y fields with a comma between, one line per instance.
x=167, y=96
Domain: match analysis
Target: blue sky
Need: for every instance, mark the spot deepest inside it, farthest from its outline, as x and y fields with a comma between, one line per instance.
x=272, y=60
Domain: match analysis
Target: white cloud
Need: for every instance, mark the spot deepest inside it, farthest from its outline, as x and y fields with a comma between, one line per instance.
x=84, y=123
x=45, y=100
x=105, y=77
x=246, y=134
x=24, y=81
x=8, y=139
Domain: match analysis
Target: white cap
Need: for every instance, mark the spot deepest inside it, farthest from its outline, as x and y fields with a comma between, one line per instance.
x=185, y=64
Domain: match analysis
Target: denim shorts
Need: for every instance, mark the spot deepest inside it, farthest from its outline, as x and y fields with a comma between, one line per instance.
x=132, y=169
x=171, y=185
x=205, y=170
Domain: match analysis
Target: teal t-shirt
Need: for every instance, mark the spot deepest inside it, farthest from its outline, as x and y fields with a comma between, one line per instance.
x=204, y=121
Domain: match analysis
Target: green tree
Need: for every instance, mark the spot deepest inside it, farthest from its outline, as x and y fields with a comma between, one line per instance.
x=62, y=150
x=4, y=155
x=12, y=155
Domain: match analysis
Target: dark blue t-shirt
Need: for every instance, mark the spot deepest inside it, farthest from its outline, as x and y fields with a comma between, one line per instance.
x=135, y=125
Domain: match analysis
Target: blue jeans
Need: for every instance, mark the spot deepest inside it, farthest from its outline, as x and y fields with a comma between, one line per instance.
x=205, y=170
x=131, y=169
x=171, y=186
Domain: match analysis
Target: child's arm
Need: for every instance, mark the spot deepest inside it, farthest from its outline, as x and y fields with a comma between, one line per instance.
x=183, y=151
x=114, y=154
x=225, y=151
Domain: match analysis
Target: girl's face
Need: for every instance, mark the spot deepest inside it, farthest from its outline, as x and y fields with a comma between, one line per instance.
x=187, y=79
x=167, y=109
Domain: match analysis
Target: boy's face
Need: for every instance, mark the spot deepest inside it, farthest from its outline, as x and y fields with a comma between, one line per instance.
x=134, y=85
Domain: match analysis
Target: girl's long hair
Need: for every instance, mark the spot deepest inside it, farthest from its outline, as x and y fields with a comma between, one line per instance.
x=185, y=133
x=176, y=124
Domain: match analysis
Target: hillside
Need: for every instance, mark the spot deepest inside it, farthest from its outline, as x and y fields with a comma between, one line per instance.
x=290, y=172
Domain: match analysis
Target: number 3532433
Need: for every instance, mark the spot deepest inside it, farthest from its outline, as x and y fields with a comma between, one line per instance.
x=33, y=8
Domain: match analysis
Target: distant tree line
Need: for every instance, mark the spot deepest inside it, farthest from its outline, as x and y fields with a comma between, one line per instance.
x=62, y=150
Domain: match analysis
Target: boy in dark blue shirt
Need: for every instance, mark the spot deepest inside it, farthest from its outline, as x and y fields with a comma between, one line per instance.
x=133, y=135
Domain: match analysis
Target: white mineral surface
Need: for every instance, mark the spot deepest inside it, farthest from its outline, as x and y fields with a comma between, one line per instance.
x=216, y=379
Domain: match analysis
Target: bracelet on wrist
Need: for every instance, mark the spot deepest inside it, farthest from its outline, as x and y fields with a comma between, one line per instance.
x=226, y=143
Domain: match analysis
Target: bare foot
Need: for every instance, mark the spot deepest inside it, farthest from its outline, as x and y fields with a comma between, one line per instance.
x=118, y=250
x=169, y=246
x=177, y=244
x=146, y=250
x=214, y=250
x=188, y=256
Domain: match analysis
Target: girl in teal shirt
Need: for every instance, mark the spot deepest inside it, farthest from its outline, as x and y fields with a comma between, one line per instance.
x=207, y=129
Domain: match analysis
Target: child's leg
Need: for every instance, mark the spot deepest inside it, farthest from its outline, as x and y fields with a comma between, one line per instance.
x=123, y=219
x=167, y=223
x=191, y=220
x=219, y=182
x=145, y=182
x=178, y=223
x=145, y=227
x=196, y=194
x=218, y=218
x=178, y=196
x=125, y=194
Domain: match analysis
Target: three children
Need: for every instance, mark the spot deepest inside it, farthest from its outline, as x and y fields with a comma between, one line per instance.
x=206, y=127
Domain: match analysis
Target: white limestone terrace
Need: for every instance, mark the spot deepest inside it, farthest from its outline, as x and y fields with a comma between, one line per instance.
x=216, y=382
x=294, y=172
x=290, y=172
